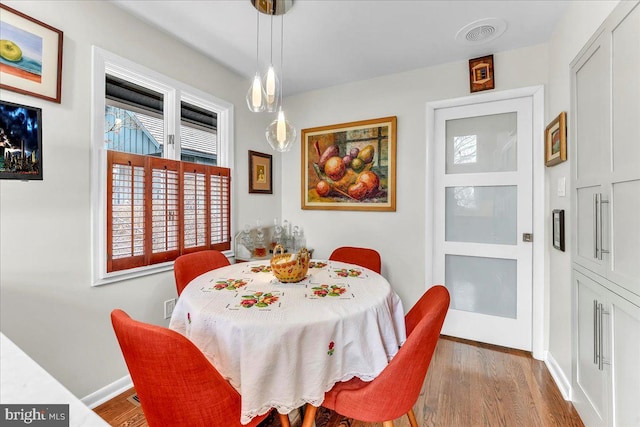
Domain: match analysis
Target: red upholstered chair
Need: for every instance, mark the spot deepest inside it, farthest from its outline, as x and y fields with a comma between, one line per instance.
x=394, y=392
x=188, y=267
x=175, y=382
x=363, y=257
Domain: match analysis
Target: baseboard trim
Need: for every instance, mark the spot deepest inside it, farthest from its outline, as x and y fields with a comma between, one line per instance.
x=107, y=392
x=564, y=385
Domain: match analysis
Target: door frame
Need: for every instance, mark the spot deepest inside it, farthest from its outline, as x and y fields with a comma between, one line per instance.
x=536, y=93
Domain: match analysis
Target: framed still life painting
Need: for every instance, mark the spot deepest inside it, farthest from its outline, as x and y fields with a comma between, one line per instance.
x=30, y=56
x=350, y=166
x=20, y=142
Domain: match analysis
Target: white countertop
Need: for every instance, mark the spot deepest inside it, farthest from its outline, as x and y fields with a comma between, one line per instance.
x=23, y=381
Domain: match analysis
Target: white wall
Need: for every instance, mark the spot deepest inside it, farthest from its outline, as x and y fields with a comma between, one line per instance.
x=48, y=307
x=398, y=236
x=580, y=21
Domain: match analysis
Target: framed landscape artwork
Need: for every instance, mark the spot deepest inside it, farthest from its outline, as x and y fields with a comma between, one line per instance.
x=260, y=173
x=20, y=142
x=555, y=138
x=30, y=56
x=350, y=166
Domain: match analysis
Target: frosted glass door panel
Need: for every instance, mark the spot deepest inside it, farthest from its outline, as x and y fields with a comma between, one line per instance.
x=482, y=144
x=482, y=214
x=482, y=285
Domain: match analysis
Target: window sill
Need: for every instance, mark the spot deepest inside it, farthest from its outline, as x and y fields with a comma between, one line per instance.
x=119, y=276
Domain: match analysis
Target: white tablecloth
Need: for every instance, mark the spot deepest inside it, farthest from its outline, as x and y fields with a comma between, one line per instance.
x=283, y=345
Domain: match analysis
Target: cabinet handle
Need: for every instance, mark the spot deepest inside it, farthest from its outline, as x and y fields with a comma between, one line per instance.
x=601, y=360
x=597, y=335
x=600, y=246
x=595, y=332
x=596, y=203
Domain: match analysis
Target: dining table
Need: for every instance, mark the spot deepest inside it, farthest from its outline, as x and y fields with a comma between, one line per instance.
x=282, y=345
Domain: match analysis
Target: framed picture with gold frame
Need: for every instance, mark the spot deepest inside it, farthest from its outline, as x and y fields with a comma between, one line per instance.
x=481, y=74
x=260, y=173
x=30, y=56
x=555, y=141
x=350, y=166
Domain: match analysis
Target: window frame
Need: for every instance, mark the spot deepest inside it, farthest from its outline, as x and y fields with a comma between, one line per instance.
x=105, y=62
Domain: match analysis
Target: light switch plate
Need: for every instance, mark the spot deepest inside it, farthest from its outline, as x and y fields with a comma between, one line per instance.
x=562, y=187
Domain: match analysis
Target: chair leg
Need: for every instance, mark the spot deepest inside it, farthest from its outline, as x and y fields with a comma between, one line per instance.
x=309, y=415
x=412, y=418
x=387, y=423
x=284, y=420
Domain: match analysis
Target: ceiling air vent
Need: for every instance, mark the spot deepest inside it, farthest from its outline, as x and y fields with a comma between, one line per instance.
x=481, y=31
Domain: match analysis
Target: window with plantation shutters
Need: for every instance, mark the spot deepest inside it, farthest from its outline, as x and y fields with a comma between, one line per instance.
x=160, y=158
x=161, y=208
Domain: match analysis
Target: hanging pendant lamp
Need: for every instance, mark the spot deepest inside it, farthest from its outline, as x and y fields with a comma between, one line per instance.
x=280, y=133
x=256, y=95
x=271, y=83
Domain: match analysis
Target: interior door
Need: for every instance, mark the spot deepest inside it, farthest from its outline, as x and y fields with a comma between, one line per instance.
x=482, y=215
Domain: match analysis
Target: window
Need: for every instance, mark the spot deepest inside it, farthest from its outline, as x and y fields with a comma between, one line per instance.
x=162, y=184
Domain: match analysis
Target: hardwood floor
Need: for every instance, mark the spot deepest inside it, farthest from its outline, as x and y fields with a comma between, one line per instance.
x=468, y=384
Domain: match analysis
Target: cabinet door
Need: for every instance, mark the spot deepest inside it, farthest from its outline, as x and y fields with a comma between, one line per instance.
x=624, y=192
x=592, y=96
x=625, y=320
x=591, y=383
x=591, y=142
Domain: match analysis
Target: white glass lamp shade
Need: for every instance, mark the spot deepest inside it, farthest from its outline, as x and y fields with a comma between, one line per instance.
x=280, y=133
x=256, y=96
x=272, y=90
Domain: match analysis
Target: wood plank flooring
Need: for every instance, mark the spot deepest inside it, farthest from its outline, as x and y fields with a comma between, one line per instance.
x=468, y=384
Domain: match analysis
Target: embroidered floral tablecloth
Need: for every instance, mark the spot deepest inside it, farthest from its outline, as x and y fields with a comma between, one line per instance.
x=283, y=345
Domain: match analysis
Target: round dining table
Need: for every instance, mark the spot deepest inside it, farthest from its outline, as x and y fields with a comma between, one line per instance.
x=282, y=345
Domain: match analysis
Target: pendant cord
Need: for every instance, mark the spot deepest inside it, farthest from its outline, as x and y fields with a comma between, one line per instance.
x=281, y=58
x=257, y=39
x=271, y=31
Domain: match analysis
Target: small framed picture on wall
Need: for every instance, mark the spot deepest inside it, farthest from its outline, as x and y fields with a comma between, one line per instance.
x=260, y=173
x=558, y=229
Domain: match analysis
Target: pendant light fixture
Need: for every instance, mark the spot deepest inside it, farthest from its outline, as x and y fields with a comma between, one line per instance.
x=280, y=133
x=271, y=83
x=256, y=96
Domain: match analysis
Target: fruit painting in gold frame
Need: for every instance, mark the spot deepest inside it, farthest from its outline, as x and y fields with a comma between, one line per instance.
x=30, y=56
x=350, y=166
x=555, y=141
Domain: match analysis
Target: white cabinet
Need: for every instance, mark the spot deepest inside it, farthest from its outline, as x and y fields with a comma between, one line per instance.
x=605, y=153
x=607, y=371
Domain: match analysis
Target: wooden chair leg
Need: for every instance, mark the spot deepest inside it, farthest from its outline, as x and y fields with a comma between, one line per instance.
x=387, y=424
x=412, y=418
x=309, y=415
x=284, y=420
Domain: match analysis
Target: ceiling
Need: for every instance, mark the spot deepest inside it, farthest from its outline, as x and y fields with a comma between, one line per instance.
x=331, y=42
